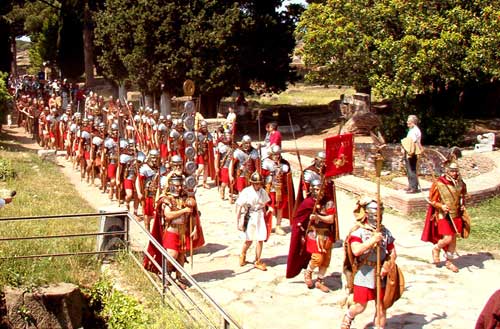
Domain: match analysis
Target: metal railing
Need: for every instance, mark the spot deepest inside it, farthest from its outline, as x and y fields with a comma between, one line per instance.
x=162, y=282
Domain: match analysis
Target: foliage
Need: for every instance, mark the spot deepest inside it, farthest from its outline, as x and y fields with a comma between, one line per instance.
x=119, y=310
x=159, y=45
x=6, y=170
x=436, y=130
x=402, y=49
x=5, y=97
x=42, y=190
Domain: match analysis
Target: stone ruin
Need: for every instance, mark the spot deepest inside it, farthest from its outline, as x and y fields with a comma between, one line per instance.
x=356, y=110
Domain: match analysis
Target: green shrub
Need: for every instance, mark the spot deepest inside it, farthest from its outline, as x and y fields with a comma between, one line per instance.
x=119, y=310
x=443, y=131
x=6, y=170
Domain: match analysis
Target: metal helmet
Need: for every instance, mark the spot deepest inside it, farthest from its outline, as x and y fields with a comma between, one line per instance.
x=153, y=157
x=123, y=143
x=315, y=187
x=175, y=183
x=453, y=166
x=319, y=160
x=203, y=124
x=256, y=178
x=275, y=152
x=371, y=213
x=246, y=143
x=176, y=160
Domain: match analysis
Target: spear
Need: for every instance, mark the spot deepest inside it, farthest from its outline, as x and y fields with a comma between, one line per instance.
x=379, y=160
x=298, y=158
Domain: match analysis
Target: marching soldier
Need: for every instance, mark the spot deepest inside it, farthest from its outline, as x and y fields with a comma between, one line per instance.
x=111, y=154
x=245, y=161
x=205, y=153
x=181, y=231
x=278, y=180
x=254, y=218
x=128, y=174
x=148, y=183
x=223, y=156
x=361, y=248
x=314, y=224
x=446, y=216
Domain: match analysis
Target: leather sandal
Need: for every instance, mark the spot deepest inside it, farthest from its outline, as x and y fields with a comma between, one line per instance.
x=452, y=267
x=308, y=279
x=320, y=284
x=260, y=265
x=346, y=322
x=435, y=255
x=243, y=260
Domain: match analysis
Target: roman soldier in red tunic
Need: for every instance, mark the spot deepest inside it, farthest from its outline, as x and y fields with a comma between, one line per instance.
x=278, y=180
x=176, y=226
x=313, y=234
x=446, y=215
x=205, y=154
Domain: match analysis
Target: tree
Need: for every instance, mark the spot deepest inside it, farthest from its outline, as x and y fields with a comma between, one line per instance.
x=217, y=44
x=403, y=48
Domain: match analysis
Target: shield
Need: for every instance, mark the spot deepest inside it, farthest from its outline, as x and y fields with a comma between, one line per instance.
x=189, y=107
x=190, y=152
x=189, y=122
x=190, y=182
x=189, y=137
x=190, y=167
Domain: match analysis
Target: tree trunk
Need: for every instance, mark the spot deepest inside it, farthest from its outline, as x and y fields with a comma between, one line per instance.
x=13, y=49
x=88, y=50
x=148, y=101
x=165, y=104
x=122, y=92
x=208, y=106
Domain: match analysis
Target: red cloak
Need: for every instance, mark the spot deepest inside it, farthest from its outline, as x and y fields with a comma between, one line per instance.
x=298, y=257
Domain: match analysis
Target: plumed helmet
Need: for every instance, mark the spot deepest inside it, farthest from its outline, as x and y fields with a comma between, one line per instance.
x=256, y=178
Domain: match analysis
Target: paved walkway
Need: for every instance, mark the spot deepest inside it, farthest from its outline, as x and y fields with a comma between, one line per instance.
x=434, y=297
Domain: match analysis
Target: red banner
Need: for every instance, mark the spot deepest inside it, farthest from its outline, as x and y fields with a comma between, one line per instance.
x=339, y=155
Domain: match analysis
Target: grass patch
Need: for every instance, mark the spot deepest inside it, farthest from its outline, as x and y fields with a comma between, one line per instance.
x=485, y=230
x=302, y=95
x=43, y=190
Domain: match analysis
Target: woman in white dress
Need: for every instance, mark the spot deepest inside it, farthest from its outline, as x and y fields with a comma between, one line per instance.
x=250, y=213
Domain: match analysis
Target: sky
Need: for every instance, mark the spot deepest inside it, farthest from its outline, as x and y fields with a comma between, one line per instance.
x=286, y=2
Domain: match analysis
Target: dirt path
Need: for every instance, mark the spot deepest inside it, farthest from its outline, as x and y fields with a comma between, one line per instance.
x=434, y=297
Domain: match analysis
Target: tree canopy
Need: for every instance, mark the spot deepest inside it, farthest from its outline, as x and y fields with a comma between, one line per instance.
x=220, y=45
x=402, y=48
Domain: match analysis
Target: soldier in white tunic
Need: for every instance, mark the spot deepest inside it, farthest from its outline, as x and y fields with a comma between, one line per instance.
x=251, y=216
